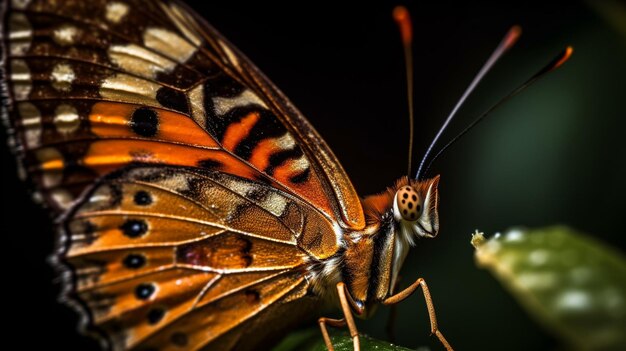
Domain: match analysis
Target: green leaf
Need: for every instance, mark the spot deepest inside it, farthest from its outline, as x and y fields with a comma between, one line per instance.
x=311, y=340
x=572, y=284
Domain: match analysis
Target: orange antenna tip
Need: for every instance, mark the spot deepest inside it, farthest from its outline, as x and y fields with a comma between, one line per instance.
x=565, y=55
x=511, y=37
x=403, y=19
x=557, y=62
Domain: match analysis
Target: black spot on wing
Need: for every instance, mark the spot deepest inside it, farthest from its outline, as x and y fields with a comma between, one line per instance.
x=144, y=291
x=222, y=85
x=134, y=228
x=210, y=164
x=252, y=296
x=155, y=315
x=134, y=261
x=144, y=122
x=174, y=99
x=142, y=198
x=247, y=244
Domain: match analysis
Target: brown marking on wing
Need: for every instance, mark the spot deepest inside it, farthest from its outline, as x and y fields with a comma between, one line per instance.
x=235, y=251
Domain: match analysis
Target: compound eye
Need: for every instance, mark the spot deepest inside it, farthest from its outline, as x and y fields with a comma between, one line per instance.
x=409, y=203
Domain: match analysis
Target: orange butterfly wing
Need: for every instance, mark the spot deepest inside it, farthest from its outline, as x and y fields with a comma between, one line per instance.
x=115, y=103
x=169, y=257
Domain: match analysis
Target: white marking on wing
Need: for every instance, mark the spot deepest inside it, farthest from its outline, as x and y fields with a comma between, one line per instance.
x=247, y=97
x=229, y=54
x=65, y=35
x=275, y=203
x=196, y=100
x=168, y=44
x=116, y=11
x=125, y=87
x=20, y=76
x=285, y=142
x=62, y=77
x=300, y=164
x=31, y=121
x=137, y=60
x=66, y=119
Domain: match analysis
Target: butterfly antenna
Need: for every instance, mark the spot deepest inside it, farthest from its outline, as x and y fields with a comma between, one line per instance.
x=554, y=64
x=403, y=19
x=507, y=42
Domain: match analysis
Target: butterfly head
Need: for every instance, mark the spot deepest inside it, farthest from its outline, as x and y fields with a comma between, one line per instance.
x=415, y=207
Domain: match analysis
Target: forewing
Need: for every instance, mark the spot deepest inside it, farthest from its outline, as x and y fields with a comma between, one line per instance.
x=96, y=85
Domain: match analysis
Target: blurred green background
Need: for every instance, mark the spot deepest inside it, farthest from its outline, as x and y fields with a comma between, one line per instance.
x=555, y=154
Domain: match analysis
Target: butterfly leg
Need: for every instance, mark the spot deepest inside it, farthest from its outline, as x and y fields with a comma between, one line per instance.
x=337, y=323
x=390, y=328
x=347, y=320
x=434, y=329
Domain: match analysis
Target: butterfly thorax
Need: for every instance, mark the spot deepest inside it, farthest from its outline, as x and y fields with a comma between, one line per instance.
x=371, y=259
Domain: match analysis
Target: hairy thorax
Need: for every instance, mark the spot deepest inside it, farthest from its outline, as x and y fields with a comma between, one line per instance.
x=369, y=260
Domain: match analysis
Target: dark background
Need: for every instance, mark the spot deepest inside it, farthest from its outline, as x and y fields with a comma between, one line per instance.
x=553, y=155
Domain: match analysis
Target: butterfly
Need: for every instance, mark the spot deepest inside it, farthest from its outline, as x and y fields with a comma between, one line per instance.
x=195, y=206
